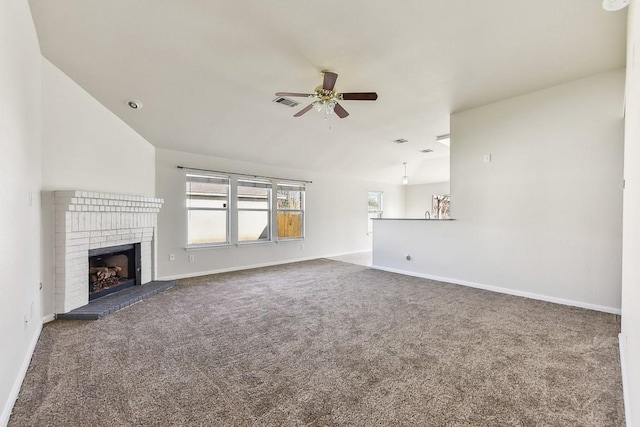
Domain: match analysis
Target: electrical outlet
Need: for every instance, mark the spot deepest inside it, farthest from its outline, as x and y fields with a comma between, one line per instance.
x=192, y=258
x=172, y=257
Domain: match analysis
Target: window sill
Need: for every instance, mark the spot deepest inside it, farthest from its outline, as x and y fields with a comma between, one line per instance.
x=255, y=242
x=205, y=247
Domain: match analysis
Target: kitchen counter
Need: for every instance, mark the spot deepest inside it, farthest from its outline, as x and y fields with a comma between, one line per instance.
x=413, y=219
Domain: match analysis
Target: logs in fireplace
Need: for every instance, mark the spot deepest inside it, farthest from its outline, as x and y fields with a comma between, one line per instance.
x=112, y=269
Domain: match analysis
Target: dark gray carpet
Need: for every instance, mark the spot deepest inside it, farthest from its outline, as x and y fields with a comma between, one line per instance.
x=327, y=343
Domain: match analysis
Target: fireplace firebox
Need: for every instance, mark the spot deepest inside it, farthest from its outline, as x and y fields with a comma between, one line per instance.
x=113, y=268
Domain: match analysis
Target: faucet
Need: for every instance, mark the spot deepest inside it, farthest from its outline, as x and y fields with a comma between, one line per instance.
x=427, y=215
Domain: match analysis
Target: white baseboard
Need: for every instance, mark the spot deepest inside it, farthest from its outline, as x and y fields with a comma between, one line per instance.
x=508, y=291
x=251, y=266
x=348, y=253
x=15, y=390
x=622, y=342
x=48, y=318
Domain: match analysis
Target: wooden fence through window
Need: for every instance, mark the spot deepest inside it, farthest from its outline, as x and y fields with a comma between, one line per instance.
x=289, y=224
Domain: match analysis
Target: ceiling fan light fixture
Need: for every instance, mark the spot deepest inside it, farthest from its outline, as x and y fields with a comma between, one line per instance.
x=614, y=5
x=326, y=97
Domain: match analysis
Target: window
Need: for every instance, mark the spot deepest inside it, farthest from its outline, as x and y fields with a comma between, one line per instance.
x=207, y=209
x=225, y=209
x=440, y=207
x=375, y=208
x=290, y=211
x=254, y=210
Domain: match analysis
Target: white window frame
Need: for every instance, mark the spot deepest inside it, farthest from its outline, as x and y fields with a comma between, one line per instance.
x=226, y=209
x=261, y=183
x=293, y=186
x=378, y=213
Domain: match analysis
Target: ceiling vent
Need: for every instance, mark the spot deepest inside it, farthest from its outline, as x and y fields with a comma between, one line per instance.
x=286, y=101
x=399, y=141
x=427, y=150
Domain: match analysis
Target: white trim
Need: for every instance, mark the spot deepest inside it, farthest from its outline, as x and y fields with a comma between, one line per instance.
x=48, y=318
x=15, y=390
x=622, y=342
x=251, y=266
x=349, y=253
x=507, y=291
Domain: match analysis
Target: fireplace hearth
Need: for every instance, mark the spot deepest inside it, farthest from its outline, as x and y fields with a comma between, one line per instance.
x=112, y=269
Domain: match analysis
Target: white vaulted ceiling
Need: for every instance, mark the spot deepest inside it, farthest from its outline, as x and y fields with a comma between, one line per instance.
x=207, y=70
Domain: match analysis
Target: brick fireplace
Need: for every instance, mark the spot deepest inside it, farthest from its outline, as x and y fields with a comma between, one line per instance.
x=86, y=221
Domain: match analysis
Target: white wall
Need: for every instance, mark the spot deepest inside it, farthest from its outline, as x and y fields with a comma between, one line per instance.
x=419, y=198
x=336, y=217
x=86, y=146
x=545, y=216
x=630, y=337
x=20, y=86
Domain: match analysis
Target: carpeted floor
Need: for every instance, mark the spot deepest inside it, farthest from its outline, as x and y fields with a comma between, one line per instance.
x=324, y=343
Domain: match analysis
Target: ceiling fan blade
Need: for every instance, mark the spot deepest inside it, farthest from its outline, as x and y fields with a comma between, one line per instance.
x=306, y=95
x=340, y=112
x=359, y=96
x=329, y=80
x=304, y=110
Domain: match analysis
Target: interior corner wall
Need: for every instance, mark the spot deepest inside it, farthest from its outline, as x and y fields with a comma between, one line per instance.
x=631, y=241
x=546, y=211
x=86, y=146
x=20, y=162
x=548, y=206
x=335, y=217
x=543, y=219
x=418, y=198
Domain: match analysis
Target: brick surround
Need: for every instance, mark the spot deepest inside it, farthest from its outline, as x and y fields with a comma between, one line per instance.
x=87, y=220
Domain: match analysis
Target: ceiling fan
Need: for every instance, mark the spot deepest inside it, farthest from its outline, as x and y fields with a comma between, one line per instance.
x=327, y=98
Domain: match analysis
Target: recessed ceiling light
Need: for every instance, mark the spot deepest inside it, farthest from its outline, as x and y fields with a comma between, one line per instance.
x=444, y=139
x=135, y=105
x=613, y=5
x=399, y=141
x=427, y=150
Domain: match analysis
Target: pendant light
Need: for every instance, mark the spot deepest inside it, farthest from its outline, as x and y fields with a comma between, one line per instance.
x=405, y=178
